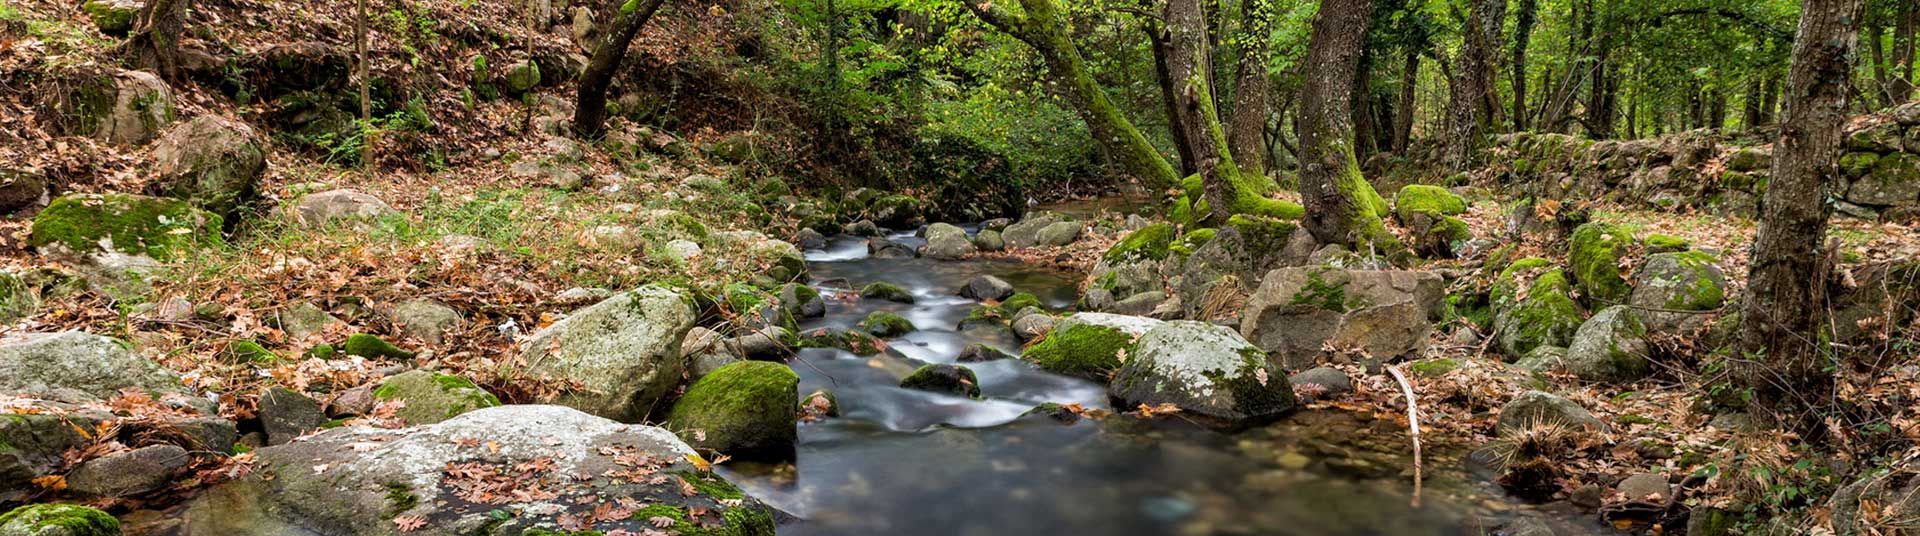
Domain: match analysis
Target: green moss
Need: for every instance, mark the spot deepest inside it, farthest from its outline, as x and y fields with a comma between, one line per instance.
x=1662, y=243
x=366, y=345
x=64, y=519
x=1594, y=252
x=1701, y=294
x=737, y=521
x=886, y=291
x=322, y=351
x=1148, y=243
x=1193, y=241
x=743, y=408
x=1320, y=293
x=1547, y=316
x=1260, y=235
x=1857, y=165
x=109, y=18
x=1433, y=367
x=432, y=397
x=1422, y=198
x=1080, y=349
x=248, y=351
x=1018, y=301
x=854, y=341
x=885, y=324
x=157, y=227
x=400, y=498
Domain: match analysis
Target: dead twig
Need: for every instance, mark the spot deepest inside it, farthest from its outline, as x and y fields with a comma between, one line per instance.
x=1413, y=424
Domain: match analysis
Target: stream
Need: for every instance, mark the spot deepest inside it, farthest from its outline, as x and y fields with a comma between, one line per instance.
x=906, y=462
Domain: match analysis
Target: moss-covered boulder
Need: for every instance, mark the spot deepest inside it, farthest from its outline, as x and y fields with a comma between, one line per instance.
x=1059, y=234
x=1672, y=292
x=58, y=520
x=122, y=108
x=1533, y=306
x=1026, y=232
x=1611, y=346
x=1666, y=243
x=1422, y=198
x=850, y=340
x=210, y=161
x=881, y=290
x=779, y=260
x=521, y=76
x=1207, y=371
x=624, y=351
x=745, y=409
x=112, y=17
x=372, y=346
x=896, y=212
x=942, y=378
x=1594, y=252
x=885, y=324
x=802, y=301
x=157, y=227
x=1088, y=345
x=431, y=397
x=947, y=242
x=356, y=481
x=17, y=298
x=1893, y=181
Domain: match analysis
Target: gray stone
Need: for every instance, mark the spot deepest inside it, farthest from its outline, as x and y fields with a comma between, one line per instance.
x=129, y=473
x=303, y=320
x=882, y=248
x=864, y=228
x=354, y=481
x=122, y=108
x=986, y=287
x=430, y=397
x=20, y=189
x=802, y=301
x=947, y=242
x=1670, y=285
x=1207, y=371
x=211, y=161
x=989, y=240
x=1141, y=304
x=426, y=320
x=1029, y=327
x=340, y=207
x=976, y=352
x=1543, y=359
x=624, y=351
x=810, y=239
x=1059, y=234
x=1648, y=487
x=1330, y=381
x=1894, y=180
x=1533, y=408
x=1298, y=311
x=286, y=415
x=1026, y=233
x=1611, y=346
x=768, y=343
x=74, y=366
x=1877, y=501
x=682, y=250
x=943, y=378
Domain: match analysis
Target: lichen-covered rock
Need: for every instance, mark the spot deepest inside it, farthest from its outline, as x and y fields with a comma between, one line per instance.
x=1533, y=306
x=1088, y=345
x=34, y=445
x=339, y=207
x=1611, y=346
x=108, y=224
x=210, y=161
x=1749, y=159
x=885, y=324
x=431, y=397
x=1030, y=326
x=1670, y=284
x=1534, y=408
x=778, y=259
x=881, y=290
x=128, y=473
x=1207, y=371
x=425, y=320
x=77, y=367
x=355, y=481
x=1297, y=312
x=767, y=343
x=946, y=242
x=112, y=17
x=123, y=108
x=1894, y=180
x=625, y=351
x=942, y=378
x=301, y=320
x=58, y=520
x=17, y=299
x=1594, y=252
x=744, y=409
x=851, y=340
x=986, y=287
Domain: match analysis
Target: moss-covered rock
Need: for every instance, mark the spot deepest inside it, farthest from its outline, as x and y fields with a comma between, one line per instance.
x=942, y=378
x=1088, y=345
x=17, y=298
x=112, y=17
x=521, y=76
x=1533, y=306
x=1594, y=252
x=1207, y=371
x=895, y=211
x=132, y=224
x=1894, y=180
x=1017, y=302
x=1148, y=243
x=122, y=108
x=210, y=161
x=1611, y=346
x=248, y=351
x=881, y=290
x=853, y=341
x=1422, y=198
x=1192, y=241
x=368, y=345
x=885, y=324
x=744, y=409
x=58, y=520
x=1665, y=243
x=431, y=397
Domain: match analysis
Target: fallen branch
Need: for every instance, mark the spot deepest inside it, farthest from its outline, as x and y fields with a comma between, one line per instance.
x=1413, y=424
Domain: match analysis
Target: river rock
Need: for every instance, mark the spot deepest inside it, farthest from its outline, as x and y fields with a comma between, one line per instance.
x=542, y=462
x=882, y=248
x=1649, y=487
x=1536, y=407
x=425, y=320
x=339, y=207
x=947, y=242
x=1026, y=233
x=810, y=239
x=50, y=519
x=625, y=352
x=976, y=352
x=782, y=261
x=124, y=474
x=1206, y=370
x=1088, y=345
x=942, y=378
x=286, y=414
x=989, y=240
x=1030, y=326
x=886, y=291
x=744, y=409
x=1059, y=234
x=1611, y=346
x=802, y=301
x=864, y=228
x=886, y=325
x=430, y=397
x=210, y=161
x=705, y=353
x=1141, y=304
x=986, y=287
x=77, y=367
x=1330, y=381
x=769, y=343
x=1298, y=311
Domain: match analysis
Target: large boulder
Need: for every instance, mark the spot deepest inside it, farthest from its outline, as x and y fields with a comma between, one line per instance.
x=1088, y=345
x=339, y=207
x=745, y=409
x=210, y=161
x=1206, y=370
x=946, y=242
x=429, y=397
x=1059, y=233
x=112, y=17
x=123, y=108
x=1611, y=346
x=128, y=473
x=986, y=287
x=1673, y=291
x=1594, y=252
x=1299, y=311
x=1026, y=233
x=58, y=520
x=122, y=224
x=1235, y=257
x=624, y=351
x=1428, y=212
x=1532, y=307
x=538, y=464
x=77, y=367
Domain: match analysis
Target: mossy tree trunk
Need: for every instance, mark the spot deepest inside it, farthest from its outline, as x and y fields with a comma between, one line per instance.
x=1157, y=41
x=1189, y=65
x=1783, y=338
x=154, y=44
x=1043, y=26
x=1250, y=109
x=1342, y=208
x=590, y=106
x=1470, y=113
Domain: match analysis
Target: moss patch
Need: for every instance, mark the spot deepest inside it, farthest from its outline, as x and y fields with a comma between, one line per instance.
x=1148, y=243
x=742, y=409
x=65, y=519
x=886, y=291
x=248, y=351
x=1079, y=349
x=1422, y=198
x=366, y=345
x=156, y=227
x=432, y=397
x=885, y=324
x=1594, y=251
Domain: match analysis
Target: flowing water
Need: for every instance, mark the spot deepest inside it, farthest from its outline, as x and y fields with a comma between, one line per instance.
x=908, y=462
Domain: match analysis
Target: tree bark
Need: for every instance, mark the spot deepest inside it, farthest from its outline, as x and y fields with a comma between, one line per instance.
x=590, y=108
x=1409, y=82
x=1903, y=51
x=1525, y=15
x=1189, y=60
x=1042, y=26
x=1157, y=40
x=1470, y=116
x=1342, y=208
x=1782, y=323
x=1250, y=109
x=154, y=44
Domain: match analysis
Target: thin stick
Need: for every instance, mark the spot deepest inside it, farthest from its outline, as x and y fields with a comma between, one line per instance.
x=1413, y=423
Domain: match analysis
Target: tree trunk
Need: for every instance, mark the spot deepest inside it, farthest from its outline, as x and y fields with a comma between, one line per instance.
x=1157, y=40
x=1364, y=115
x=154, y=44
x=1043, y=27
x=1525, y=15
x=1783, y=332
x=1249, y=116
x=1882, y=79
x=1189, y=60
x=366, y=83
x=1903, y=51
x=1403, y=123
x=590, y=108
x=1470, y=114
x=1342, y=208
x=1750, y=106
